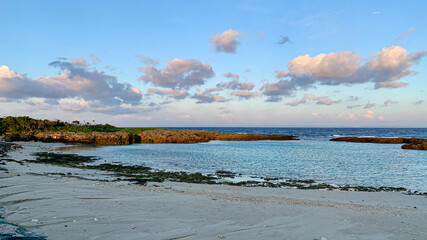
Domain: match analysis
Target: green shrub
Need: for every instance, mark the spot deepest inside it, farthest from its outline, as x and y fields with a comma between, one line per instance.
x=26, y=124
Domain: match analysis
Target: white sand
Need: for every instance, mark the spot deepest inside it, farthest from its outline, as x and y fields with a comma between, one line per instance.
x=71, y=208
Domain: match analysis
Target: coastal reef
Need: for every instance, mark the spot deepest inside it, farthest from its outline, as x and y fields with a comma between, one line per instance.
x=408, y=143
x=28, y=129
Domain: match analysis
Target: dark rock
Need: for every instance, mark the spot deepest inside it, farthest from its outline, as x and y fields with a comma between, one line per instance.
x=408, y=143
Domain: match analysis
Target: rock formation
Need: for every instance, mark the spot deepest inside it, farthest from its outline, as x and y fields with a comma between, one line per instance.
x=148, y=136
x=408, y=143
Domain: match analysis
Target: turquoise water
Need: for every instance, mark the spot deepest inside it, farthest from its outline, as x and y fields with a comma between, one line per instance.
x=10, y=231
x=311, y=158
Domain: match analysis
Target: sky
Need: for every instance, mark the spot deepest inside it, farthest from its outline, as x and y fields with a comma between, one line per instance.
x=216, y=63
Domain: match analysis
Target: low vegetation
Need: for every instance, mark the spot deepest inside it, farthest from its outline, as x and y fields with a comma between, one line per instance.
x=27, y=124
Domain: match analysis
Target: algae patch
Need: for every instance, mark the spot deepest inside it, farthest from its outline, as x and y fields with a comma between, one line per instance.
x=142, y=174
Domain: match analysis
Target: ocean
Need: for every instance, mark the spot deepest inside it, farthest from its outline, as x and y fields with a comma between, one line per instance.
x=312, y=157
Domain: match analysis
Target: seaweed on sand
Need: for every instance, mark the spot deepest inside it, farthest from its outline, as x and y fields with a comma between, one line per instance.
x=135, y=173
x=143, y=174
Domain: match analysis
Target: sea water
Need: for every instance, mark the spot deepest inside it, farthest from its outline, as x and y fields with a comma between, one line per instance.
x=313, y=157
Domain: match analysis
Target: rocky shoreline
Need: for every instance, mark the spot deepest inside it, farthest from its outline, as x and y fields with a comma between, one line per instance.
x=408, y=143
x=148, y=136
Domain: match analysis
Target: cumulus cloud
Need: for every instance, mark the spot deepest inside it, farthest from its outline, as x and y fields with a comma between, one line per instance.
x=215, y=89
x=77, y=88
x=389, y=102
x=231, y=75
x=179, y=73
x=419, y=102
x=75, y=81
x=275, y=91
x=226, y=41
x=385, y=69
x=79, y=61
x=245, y=94
x=321, y=100
x=392, y=64
x=236, y=85
x=173, y=93
x=283, y=40
x=326, y=68
x=208, y=97
x=406, y=33
x=281, y=73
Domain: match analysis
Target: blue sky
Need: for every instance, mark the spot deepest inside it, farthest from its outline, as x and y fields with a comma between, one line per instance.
x=372, y=73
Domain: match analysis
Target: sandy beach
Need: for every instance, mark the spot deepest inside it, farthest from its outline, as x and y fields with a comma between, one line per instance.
x=68, y=203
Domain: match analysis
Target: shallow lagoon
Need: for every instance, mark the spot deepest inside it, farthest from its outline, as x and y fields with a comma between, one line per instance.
x=323, y=161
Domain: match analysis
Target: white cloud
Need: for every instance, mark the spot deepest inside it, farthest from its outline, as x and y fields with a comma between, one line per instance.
x=236, y=85
x=320, y=100
x=179, y=73
x=76, y=81
x=231, y=75
x=245, y=94
x=174, y=93
x=226, y=41
x=281, y=73
x=326, y=67
x=385, y=69
x=79, y=61
x=208, y=97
